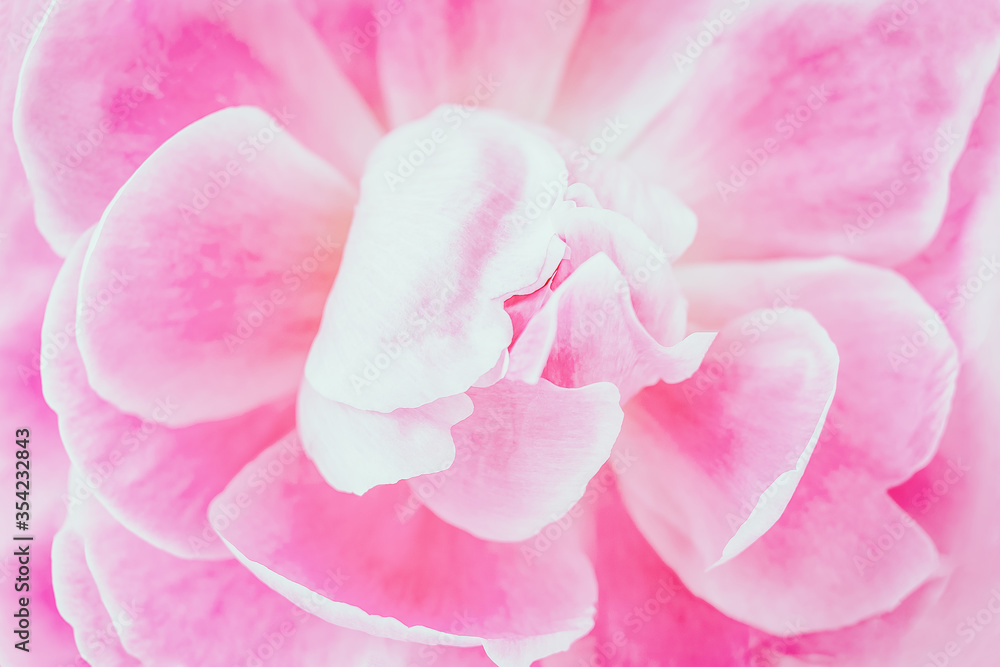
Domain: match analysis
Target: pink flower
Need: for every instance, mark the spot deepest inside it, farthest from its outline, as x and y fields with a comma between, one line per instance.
x=383, y=333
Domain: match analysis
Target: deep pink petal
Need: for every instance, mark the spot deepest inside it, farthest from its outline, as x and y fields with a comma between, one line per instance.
x=646, y=615
x=216, y=307
x=503, y=54
x=406, y=574
x=142, y=71
x=523, y=458
x=790, y=93
x=155, y=479
x=435, y=248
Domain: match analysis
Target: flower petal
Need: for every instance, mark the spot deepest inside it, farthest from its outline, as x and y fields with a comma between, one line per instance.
x=956, y=272
x=646, y=616
x=173, y=611
x=142, y=71
x=722, y=453
x=356, y=450
x=133, y=464
x=406, y=574
x=417, y=311
x=897, y=364
x=216, y=303
x=786, y=94
x=588, y=332
x=505, y=54
x=524, y=457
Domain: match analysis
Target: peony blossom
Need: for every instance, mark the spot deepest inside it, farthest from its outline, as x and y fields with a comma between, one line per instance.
x=560, y=334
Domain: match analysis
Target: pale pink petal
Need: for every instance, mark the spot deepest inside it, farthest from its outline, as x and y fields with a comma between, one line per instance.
x=80, y=604
x=142, y=71
x=503, y=54
x=656, y=296
x=841, y=552
x=174, y=611
x=523, y=458
x=451, y=222
x=897, y=363
x=956, y=273
x=722, y=453
x=823, y=128
x=356, y=450
x=132, y=464
x=405, y=573
x=588, y=332
x=213, y=303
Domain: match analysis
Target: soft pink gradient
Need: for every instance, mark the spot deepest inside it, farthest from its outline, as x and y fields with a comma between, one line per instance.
x=510, y=332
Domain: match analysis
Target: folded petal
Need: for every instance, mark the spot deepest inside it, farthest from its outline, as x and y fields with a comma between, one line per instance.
x=173, y=611
x=842, y=551
x=897, y=364
x=405, y=574
x=132, y=464
x=503, y=54
x=453, y=219
x=722, y=453
x=212, y=299
x=142, y=71
x=787, y=93
x=523, y=458
x=656, y=297
x=956, y=272
x=356, y=450
x=588, y=332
